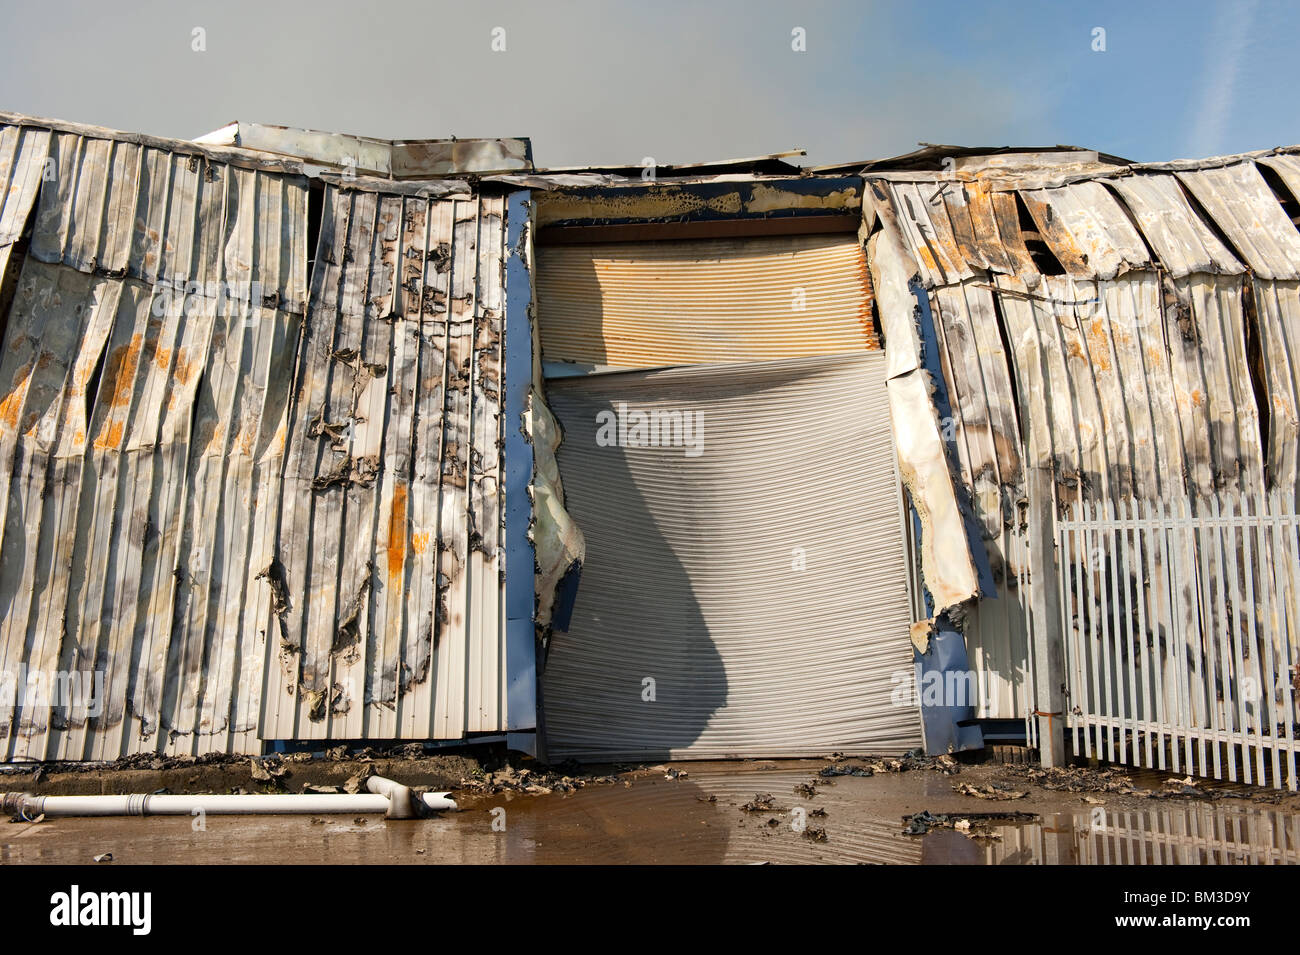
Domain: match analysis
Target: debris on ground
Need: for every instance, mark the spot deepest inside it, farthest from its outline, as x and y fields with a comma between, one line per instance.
x=910, y=761
x=509, y=779
x=1079, y=779
x=815, y=833
x=920, y=823
x=104, y=857
x=805, y=789
x=709, y=798
x=267, y=769
x=829, y=771
x=994, y=790
x=357, y=781
x=324, y=790
x=676, y=774
x=817, y=813
x=762, y=802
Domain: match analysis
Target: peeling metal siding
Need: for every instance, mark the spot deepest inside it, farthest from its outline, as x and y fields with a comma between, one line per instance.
x=22, y=166
x=644, y=305
x=390, y=535
x=919, y=437
x=689, y=577
x=180, y=482
x=1133, y=370
x=1278, y=308
x=136, y=510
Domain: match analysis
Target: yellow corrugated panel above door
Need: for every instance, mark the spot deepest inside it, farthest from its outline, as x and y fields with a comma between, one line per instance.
x=651, y=304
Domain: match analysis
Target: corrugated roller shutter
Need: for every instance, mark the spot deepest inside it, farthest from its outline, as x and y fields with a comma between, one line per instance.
x=759, y=583
x=650, y=304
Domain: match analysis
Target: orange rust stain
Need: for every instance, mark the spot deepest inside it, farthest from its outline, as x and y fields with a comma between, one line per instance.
x=44, y=361
x=397, y=533
x=110, y=437
x=13, y=402
x=1100, y=344
x=119, y=373
x=927, y=258
x=163, y=358
x=419, y=542
x=184, y=368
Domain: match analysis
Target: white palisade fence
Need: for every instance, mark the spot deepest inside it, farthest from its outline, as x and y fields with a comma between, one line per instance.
x=1180, y=622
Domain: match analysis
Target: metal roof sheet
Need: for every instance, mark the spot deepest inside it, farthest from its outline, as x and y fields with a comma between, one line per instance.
x=1181, y=240
x=394, y=159
x=1246, y=209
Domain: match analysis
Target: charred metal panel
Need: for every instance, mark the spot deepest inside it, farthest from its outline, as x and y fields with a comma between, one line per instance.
x=247, y=511
x=1133, y=367
x=403, y=159
x=23, y=167
x=175, y=221
x=1181, y=240
x=646, y=305
x=727, y=197
x=760, y=584
x=154, y=319
x=390, y=530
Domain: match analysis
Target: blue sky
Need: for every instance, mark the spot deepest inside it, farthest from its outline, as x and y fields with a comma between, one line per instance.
x=677, y=81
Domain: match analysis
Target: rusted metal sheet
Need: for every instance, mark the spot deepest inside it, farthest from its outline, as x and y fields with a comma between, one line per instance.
x=390, y=529
x=645, y=305
x=1087, y=229
x=766, y=604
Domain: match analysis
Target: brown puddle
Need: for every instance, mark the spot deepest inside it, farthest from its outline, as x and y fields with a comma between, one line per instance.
x=698, y=819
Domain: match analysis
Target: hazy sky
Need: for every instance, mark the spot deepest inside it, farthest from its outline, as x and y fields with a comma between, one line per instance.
x=616, y=82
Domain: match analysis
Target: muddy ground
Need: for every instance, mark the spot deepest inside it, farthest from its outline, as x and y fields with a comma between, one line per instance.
x=858, y=810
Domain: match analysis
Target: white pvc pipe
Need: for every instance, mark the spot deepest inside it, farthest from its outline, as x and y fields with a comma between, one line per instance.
x=386, y=796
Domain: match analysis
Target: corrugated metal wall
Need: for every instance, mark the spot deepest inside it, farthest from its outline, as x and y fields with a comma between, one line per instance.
x=392, y=622
x=259, y=512
x=652, y=304
x=140, y=445
x=761, y=583
x=1132, y=366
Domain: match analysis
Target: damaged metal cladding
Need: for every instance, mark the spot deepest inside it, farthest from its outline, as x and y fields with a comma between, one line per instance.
x=262, y=509
x=1111, y=324
x=272, y=505
x=390, y=537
